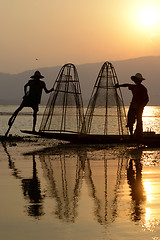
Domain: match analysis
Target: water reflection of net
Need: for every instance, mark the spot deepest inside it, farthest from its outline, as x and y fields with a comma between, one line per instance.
x=106, y=108
x=103, y=178
x=64, y=110
x=64, y=177
x=66, y=172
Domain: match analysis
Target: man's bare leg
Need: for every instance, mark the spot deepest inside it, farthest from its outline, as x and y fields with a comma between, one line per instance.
x=34, y=120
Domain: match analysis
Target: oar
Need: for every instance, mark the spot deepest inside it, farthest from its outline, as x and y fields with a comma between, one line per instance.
x=11, y=121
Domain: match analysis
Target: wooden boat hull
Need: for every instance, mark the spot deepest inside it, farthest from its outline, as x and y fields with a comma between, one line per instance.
x=148, y=139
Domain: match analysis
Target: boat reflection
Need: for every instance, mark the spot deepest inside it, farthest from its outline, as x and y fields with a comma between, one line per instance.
x=60, y=176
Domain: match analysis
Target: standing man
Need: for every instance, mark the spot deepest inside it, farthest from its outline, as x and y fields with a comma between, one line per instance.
x=139, y=101
x=33, y=92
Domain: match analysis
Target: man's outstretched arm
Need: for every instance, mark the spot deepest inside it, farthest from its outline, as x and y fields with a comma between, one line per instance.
x=122, y=85
x=46, y=90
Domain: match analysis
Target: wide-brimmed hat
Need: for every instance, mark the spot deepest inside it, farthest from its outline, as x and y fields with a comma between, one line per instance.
x=37, y=74
x=137, y=76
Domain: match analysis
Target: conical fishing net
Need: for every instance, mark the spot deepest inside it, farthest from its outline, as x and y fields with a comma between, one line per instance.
x=105, y=113
x=64, y=110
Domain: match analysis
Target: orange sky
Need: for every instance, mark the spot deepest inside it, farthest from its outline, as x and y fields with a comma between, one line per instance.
x=60, y=31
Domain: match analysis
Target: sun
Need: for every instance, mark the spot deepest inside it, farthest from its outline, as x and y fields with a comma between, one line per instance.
x=148, y=16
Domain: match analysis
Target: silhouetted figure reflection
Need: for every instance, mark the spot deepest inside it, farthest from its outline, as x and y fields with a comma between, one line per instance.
x=134, y=178
x=31, y=187
x=31, y=190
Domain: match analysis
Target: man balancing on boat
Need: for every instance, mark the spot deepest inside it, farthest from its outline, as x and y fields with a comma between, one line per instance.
x=31, y=98
x=139, y=101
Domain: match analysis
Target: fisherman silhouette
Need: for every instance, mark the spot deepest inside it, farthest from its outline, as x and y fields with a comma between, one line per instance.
x=31, y=98
x=139, y=101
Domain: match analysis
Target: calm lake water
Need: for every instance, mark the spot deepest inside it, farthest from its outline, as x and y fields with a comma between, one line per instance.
x=61, y=191
x=151, y=119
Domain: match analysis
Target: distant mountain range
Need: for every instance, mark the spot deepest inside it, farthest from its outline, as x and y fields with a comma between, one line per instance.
x=11, y=90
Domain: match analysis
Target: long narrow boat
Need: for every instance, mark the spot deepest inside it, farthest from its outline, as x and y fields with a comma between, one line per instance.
x=149, y=138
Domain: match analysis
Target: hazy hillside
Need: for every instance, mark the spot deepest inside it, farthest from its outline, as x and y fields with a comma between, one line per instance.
x=150, y=69
x=11, y=90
